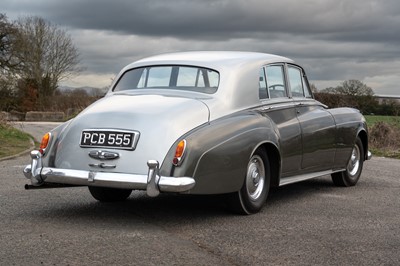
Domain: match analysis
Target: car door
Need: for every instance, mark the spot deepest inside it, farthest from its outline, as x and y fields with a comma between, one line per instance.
x=280, y=109
x=318, y=129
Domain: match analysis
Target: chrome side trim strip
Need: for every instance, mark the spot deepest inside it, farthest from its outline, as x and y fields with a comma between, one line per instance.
x=298, y=178
x=153, y=183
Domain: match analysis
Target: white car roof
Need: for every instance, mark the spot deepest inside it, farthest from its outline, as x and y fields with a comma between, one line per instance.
x=211, y=59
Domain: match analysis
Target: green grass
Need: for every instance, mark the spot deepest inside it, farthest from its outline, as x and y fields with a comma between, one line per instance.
x=12, y=141
x=373, y=119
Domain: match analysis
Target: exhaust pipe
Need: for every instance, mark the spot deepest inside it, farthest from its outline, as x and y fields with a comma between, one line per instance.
x=48, y=185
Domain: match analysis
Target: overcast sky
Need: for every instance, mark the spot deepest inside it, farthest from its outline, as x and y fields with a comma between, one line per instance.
x=333, y=40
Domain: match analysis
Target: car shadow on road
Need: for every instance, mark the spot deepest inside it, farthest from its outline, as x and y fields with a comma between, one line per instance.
x=300, y=189
x=169, y=207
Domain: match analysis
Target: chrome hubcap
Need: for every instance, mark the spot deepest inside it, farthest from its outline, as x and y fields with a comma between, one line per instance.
x=255, y=177
x=354, y=162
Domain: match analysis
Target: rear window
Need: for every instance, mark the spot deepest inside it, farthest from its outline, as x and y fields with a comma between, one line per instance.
x=170, y=77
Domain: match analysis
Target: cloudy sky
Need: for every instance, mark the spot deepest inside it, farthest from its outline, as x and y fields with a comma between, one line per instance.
x=335, y=40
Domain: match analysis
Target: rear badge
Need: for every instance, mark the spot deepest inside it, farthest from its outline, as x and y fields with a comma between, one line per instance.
x=103, y=155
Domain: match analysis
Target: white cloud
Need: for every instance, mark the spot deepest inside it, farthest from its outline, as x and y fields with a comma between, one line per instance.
x=385, y=84
x=92, y=80
x=323, y=84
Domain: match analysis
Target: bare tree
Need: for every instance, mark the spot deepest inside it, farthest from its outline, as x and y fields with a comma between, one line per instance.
x=8, y=58
x=354, y=87
x=8, y=64
x=47, y=52
x=350, y=87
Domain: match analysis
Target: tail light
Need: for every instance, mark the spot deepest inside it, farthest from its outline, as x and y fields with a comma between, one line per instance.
x=45, y=142
x=179, y=153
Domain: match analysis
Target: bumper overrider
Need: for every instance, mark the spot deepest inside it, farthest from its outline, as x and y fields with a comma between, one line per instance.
x=153, y=183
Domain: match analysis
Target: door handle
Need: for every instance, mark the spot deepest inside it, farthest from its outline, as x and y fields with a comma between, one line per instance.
x=267, y=108
x=298, y=105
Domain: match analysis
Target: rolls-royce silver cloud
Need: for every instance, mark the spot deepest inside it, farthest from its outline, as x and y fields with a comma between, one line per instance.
x=234, y=123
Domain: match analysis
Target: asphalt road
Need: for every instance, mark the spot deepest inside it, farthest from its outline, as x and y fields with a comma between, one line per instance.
x=309, y=223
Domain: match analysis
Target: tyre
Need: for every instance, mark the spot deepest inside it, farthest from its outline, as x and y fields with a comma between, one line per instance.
x=350, y=176
x=105, y=194
x=253, y=194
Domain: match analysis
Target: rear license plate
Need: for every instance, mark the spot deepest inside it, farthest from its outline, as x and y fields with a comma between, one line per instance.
x=118, y=139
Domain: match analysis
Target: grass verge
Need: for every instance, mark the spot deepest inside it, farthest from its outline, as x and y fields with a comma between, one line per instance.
x=12, y=141
x=373, y=119
x=384, y=135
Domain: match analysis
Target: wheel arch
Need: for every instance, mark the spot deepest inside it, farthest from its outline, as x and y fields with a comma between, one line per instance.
x=274, y=158
x=362, y=134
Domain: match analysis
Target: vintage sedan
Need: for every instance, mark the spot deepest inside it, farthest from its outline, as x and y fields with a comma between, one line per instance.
x=232, y=123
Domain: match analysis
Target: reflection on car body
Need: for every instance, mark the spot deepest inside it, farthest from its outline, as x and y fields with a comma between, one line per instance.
x=233, y=123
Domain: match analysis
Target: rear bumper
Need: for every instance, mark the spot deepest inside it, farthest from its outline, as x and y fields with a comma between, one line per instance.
x=153, y=183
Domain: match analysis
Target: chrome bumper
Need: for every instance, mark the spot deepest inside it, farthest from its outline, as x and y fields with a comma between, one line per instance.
x=153, y=183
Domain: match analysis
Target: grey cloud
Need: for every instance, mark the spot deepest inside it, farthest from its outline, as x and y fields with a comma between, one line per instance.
x=335, y=40
x=223, y=19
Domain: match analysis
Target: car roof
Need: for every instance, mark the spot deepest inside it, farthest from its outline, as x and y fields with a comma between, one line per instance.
x=210, y=59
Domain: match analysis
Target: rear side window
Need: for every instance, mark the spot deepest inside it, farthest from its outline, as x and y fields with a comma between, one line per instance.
x=276, y=81
x=295, y=81
x=170, y=77
x=298, y=82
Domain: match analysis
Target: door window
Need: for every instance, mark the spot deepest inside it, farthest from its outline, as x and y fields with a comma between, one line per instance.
x=276, y=81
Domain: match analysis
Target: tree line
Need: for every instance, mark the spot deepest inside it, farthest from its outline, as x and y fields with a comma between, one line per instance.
x=356, y=94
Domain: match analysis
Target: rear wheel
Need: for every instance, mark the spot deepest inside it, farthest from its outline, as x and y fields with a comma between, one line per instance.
x=105, y=194
x=350, y=176
x=253, y=194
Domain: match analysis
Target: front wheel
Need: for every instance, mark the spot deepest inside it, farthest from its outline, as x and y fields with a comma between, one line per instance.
x=253, y=194
x=350, y=176
x=105, y=194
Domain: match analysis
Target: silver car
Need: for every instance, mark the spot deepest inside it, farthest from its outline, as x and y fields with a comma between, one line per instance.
x=233, y=123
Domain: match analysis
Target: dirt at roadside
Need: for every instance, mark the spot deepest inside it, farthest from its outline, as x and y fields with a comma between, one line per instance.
x=386, y=137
